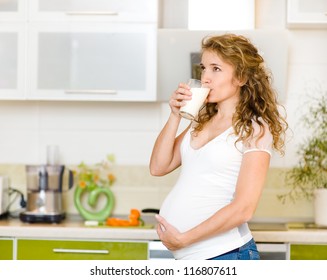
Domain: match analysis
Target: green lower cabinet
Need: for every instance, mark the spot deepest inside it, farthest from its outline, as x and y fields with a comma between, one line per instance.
x=308, y=252
x=30, y=249
x=6, y=249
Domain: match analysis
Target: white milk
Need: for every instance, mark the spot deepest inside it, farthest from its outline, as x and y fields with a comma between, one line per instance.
x=191, y=109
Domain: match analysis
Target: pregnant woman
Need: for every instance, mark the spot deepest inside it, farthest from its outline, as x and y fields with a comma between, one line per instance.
x=224, y=154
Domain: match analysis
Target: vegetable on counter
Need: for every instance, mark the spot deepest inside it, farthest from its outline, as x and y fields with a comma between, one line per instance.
x=134, y=219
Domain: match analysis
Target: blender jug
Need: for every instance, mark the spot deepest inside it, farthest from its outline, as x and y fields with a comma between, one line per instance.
x=44, y=193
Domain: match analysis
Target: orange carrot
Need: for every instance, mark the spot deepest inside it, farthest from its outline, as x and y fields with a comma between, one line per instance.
x=134, y=220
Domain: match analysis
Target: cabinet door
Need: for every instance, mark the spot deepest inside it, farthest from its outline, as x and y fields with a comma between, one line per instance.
x=12, y=57
x=6, y=249
x=308, y=252
x=95, y=10
x=304, y=13
x=28, y=249
x=13, y=10
x=71, y=61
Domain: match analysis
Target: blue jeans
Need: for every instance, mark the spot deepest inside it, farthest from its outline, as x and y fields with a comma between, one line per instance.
x=248, y=251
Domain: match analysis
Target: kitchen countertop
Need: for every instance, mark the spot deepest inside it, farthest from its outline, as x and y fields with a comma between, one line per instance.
x=70, y=229
x=317, y=236
x=75, y=229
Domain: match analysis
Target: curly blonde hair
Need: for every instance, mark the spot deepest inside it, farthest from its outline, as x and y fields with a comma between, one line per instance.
x=258, y=100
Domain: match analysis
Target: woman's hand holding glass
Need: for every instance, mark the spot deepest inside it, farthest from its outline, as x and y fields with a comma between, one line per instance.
x=178, y=98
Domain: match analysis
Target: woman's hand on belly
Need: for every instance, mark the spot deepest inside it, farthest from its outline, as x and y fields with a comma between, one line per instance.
x=169, y=235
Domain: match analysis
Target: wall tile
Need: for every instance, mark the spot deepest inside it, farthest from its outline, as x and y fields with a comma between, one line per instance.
x=99, y=116
x=19, y=146
x=135, y=187
x=18, y=115
x=308, y=46
x=270, y=207
x=129, y=147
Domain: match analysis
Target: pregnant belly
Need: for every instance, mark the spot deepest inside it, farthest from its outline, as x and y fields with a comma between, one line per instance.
x=185, y=210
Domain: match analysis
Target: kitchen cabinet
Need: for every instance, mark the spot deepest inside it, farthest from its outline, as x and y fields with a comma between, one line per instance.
x=12, y=57
x=13, y=10
x=308, y=251
x=53, y=241
x=39, y=249
x=307, y=14
x=80, y=50
x=99, y=10
x=6, y=249
x=93, y=50
x=102, y=61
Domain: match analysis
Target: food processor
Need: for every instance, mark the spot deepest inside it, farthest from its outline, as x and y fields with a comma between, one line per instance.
x=44, y=193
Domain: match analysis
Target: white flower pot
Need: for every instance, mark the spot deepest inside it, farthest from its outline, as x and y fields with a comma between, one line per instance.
x=320, y=207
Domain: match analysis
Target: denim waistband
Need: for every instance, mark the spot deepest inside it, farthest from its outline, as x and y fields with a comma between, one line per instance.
x=246, y=245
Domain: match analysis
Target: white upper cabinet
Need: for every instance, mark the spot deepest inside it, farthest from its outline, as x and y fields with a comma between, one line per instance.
x=12, y=49
x=12, y=10
x=98, y=10
x=12, y=66
x=83, y=61
x=99, y=50
x=307, y=14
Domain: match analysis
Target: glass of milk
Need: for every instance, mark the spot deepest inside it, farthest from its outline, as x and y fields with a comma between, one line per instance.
x=199, y=94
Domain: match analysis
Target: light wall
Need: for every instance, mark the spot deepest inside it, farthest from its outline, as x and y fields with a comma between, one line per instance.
x=87, y=131
x=83, y=131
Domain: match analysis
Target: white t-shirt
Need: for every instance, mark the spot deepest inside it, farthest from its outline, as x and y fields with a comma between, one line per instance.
x=207, y=183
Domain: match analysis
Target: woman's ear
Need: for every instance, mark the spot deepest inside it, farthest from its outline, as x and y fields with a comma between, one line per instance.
x=241, y=82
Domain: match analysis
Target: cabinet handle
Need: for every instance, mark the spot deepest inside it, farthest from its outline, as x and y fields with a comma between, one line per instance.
x=91, y=13
x=96, y=91
x=80, y=251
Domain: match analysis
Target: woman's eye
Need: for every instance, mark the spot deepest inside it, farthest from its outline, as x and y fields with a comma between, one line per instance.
x=216, y=69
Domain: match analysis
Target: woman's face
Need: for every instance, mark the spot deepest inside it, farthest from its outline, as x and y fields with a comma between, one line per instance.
x=219, y=77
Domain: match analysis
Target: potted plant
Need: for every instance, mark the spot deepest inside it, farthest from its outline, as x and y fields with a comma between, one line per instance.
x=308, y=179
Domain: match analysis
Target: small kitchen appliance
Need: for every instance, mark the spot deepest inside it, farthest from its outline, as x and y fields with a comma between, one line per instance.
x=4, y=195
x=44, y=193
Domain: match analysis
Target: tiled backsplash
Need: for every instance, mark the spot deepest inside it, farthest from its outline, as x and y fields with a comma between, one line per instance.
x=136, y=188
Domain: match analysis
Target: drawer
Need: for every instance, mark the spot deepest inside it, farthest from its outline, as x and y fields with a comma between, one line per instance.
x=6, y=249
x=308, y=251
x=31, y=249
